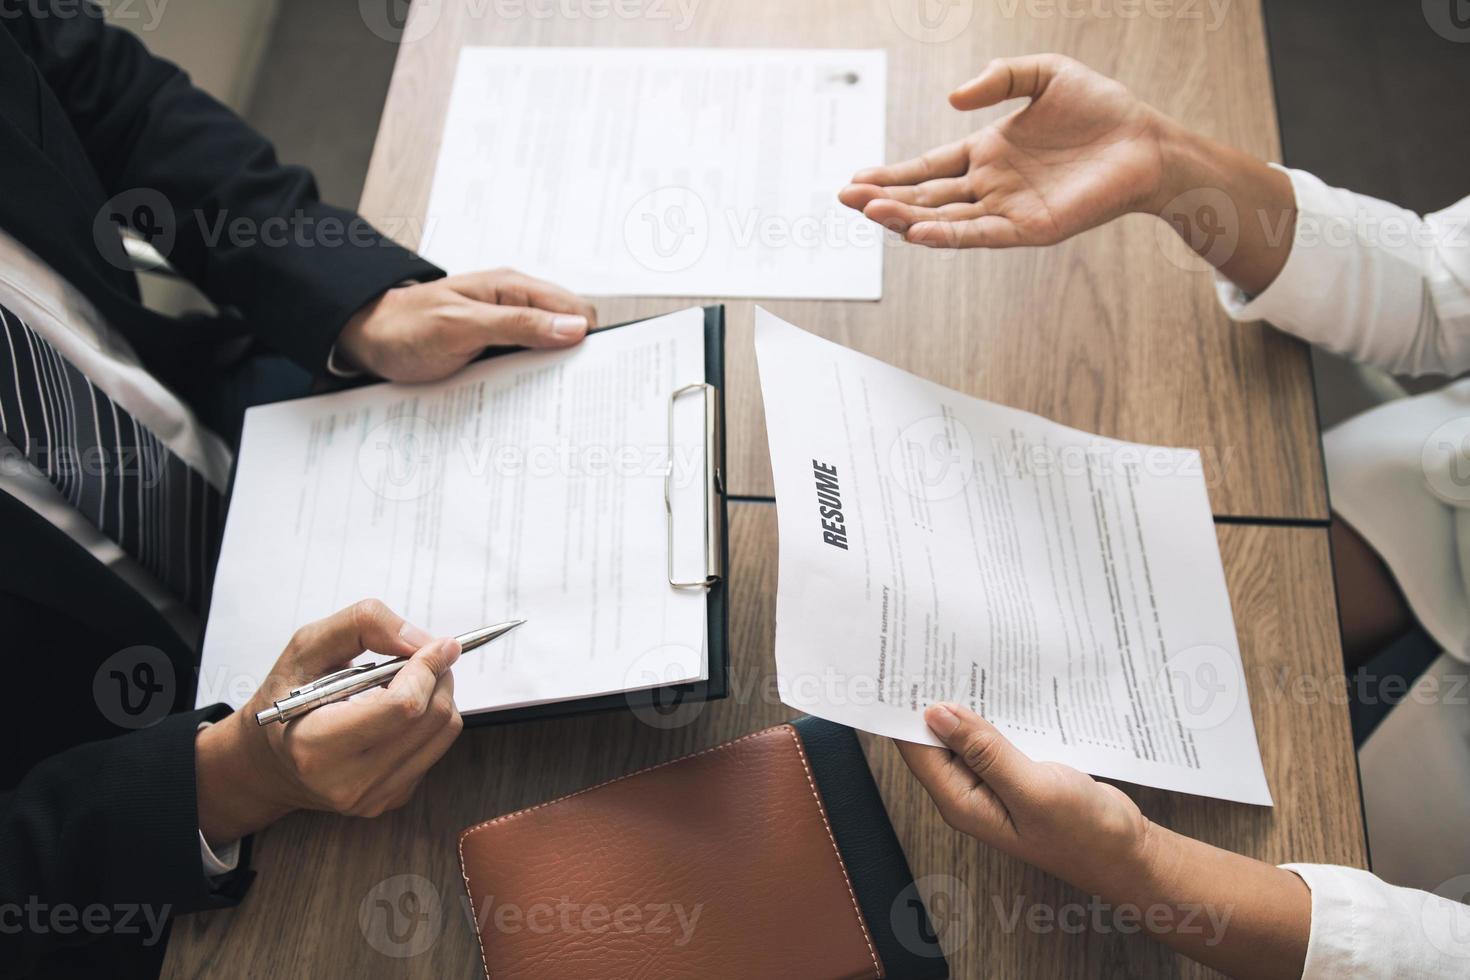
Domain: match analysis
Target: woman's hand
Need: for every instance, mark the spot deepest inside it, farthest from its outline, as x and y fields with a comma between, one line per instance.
x=427, y=331
x=1047, y=814
x=358, y=757
x=1092, y=835
x=1082, y=152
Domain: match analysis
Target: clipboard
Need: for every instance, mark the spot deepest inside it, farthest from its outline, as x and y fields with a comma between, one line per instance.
x=659, y=702
x=665, y=701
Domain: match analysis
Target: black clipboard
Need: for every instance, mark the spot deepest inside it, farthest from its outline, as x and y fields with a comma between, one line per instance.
x=664, y=701
x=661, y=700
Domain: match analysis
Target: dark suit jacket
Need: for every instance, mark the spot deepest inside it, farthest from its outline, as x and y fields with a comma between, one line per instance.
x=94, y=812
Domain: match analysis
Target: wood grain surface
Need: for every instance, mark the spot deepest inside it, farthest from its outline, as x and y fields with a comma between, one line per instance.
x=1116, y=332
x=330, y=897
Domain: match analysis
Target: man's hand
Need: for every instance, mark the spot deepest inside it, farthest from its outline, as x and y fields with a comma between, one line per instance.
x=358, y=757
x=1047, y=814
x=427, y=331
x=1082, y=152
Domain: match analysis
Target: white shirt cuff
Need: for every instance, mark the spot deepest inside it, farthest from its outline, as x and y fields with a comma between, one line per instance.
x=1332, y=228
x=227, y=858
x=336, y=368
x=1364, y=927
x=1358, y=278
x=220, y=862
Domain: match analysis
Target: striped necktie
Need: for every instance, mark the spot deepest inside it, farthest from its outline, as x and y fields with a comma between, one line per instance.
x=111, y=468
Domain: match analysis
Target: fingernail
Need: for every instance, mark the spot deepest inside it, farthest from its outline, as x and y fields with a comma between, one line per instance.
x=942, y=719
x=409, y=633
x=568, y=327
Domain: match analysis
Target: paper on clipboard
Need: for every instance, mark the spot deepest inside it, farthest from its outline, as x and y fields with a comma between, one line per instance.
x=527, y=486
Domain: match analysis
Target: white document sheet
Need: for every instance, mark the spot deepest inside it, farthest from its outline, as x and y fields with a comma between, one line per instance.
x=662, y=171
x=938, y=547
x=529, y=486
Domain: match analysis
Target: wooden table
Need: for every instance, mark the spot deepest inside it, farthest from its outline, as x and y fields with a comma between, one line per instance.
x=1115, y=332
x=313, y=910
x=1106, y=333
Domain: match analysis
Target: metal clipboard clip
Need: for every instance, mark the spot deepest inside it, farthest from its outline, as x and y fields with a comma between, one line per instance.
x=714, y=530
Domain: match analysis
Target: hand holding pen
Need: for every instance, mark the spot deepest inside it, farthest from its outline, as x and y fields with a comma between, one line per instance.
x=343, y=684
x=359, y=757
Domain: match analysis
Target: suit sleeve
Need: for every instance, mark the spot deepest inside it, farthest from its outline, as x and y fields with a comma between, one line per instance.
x=251, y=232
x=111, y=825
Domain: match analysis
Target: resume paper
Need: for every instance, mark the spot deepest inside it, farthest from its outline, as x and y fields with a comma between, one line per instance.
x=662, y=171
x=936, y=547
x=528, y=486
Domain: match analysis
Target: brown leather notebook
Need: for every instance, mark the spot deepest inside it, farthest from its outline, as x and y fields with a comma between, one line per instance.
x=721, y=864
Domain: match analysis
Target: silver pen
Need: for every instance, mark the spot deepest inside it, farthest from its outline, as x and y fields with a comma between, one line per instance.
x=351, y=680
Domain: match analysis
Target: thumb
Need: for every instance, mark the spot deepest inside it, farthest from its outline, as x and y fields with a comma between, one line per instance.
x=1008, y=78
x=526, y=326
x=415, y=683
x=982, y=748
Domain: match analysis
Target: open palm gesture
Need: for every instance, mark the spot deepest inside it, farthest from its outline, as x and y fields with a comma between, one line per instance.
x=1081, y=153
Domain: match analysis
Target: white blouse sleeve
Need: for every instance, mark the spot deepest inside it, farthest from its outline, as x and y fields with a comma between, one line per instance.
x=1364, y=927
x=1370, y=280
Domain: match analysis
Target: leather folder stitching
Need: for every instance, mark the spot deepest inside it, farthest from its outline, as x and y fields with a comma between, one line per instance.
x=806, y=767
x=841, y=865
